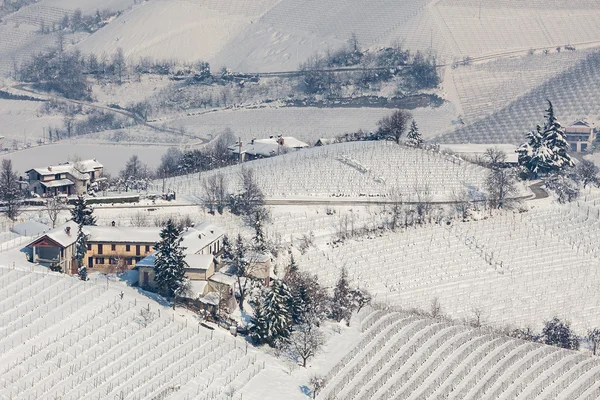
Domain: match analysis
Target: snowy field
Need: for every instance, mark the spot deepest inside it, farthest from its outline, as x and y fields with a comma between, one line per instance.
x=307, y=123
x=486, y=87
x=61, y=337
x=573, y=94
x=351, y=170
x=22, y=120
x=407, y=357
x=519, y=269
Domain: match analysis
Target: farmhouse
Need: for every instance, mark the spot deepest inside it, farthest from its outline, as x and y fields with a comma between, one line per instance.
x=580, y=135
x=203, y=246
x=109, y=248
x=261, y=148
x=67, y=179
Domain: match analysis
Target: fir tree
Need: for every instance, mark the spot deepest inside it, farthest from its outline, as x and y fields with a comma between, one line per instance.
x=342, y=303
x=414, y=138
x=277, y=313
x=80, y=251
x=82, y=214
x=258, y=325
x=546, y=147
x=227, y=255
x=260, y=244
x=240, y=267
x=169, y=265
x=272, y=323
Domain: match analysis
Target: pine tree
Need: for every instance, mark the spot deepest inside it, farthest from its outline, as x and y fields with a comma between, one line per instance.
x=227, y=255
x=277, y=312
x=414, y=138
x=169, y=265
x=342, y=304
x=10, y=190
x=260, y=244
x=258, y=325
x=80, y=251
x=546, y=147
x=81, y=213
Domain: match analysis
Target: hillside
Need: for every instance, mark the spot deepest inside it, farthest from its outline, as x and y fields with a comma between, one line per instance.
x=572, y=93
x=407, y=357
x=352, y=170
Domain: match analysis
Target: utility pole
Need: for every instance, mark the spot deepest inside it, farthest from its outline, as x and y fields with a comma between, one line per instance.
x=240, y=147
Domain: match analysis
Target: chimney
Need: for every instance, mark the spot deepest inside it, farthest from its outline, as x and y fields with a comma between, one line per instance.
x=253, y=139
x=68, y=230
x=49, y=168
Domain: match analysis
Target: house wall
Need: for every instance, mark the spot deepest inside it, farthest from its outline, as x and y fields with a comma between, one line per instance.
x=64, y=257
x=111, y=253
x=194, y=275
x=200, y=274
x=149, y=272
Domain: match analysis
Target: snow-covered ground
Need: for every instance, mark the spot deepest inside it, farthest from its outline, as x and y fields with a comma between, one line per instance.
x=355, y=170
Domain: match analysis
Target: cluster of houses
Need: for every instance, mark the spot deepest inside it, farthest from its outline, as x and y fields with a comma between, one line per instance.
x=111, y=249
x=262, y=148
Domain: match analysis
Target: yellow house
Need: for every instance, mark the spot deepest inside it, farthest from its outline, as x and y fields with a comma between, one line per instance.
x=114, y=248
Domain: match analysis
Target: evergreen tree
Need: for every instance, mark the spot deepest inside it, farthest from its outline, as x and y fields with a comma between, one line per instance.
x=169, y=265
x=82, y=214
x=342, y=303
x=546, y=147
x=240, y=267
x=272, y=323
x=414, y=138
x=558, y=333
x=258, y=325
x=277, y=313
x=80, y=251
x=260, y=244
x=227, y=255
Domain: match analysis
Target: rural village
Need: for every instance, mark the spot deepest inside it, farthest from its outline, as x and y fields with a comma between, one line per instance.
x=287, y=199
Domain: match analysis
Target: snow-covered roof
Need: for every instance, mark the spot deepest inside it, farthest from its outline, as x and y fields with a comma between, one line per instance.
x=211, y=298
x=199, y=261
x=60, y=235
x=57, y=183
x=88, y=165
x=60, y=169
x=122, y=234
x=222, y=278
x=197, y=288
x=269, y=147
x=581, y=122
x=30, y=228
x=147, y=261
x=197, y=238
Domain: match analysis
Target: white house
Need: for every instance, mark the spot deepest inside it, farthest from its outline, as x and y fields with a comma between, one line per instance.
x=68, y=179
x=580, y=135
x=261, y=148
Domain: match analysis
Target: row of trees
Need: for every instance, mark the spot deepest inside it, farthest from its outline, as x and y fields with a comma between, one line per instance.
x=418, y=70
x=557, y=332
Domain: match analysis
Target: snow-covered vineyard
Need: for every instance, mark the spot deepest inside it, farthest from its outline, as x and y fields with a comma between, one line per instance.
x=63, y=338
x=518, y=269
x=352, y=170
x=408, y=357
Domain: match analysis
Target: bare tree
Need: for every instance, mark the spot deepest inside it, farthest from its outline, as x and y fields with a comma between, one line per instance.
x=436, y=308
x=394, y=126
x=593, y=336
x=139, y=219
x=423, y=205
x=53, y=207
x=587, y=172
x=215, y=193
x=305, y=341
x=500, y=185
x=477, y=320
x=494, y=157
x=317, y=383
x=146, y=317
x=462, y=203
x=11, y=194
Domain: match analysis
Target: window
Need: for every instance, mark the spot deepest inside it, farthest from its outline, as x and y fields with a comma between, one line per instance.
x=147, y=248
x=99, y=260
x=129, y=261
x=89, y=246
x=99, y=249
x=137, y=249
x=128, y=248
x=113, y=247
